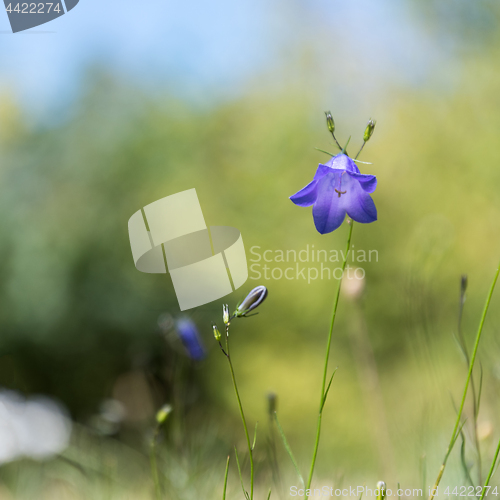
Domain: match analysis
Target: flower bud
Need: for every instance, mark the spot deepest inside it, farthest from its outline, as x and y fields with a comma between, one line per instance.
x=381, y=490
x=225, y=314
x=272, y=399
x=463, y=284
x=163, y=413
x=217, y=334
x=251, y=301
x=369, y=130
x=329, y=122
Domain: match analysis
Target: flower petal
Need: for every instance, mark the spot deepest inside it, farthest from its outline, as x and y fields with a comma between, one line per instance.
x=356, y=201
x=328, y=212
x=322, y=171
x=368, y=182
x=306, y=196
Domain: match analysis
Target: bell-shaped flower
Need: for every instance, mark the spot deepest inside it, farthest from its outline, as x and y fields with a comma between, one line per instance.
x=338, y=188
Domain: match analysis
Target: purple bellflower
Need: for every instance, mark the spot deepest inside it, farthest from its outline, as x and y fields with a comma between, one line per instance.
x=338, y=188
x=190, y=338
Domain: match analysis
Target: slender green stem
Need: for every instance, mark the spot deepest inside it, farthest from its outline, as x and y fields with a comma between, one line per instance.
x=361, y=149
x=247, y=435
x=327, y=357
x=490, y=473
x=225, y=478
x=336, y=142
x=154, y=465
x=469, y=375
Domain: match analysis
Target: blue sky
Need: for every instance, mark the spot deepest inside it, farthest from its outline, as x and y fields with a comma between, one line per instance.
x=200, y=48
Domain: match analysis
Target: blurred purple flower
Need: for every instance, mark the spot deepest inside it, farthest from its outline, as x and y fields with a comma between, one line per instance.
x=190, y=338
x=338, y=188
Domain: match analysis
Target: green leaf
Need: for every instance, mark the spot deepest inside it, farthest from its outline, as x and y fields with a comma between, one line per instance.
x=346, y=144
x=323, y=151
x=327, y=389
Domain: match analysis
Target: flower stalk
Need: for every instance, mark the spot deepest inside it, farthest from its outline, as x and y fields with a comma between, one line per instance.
x=370, y=127
x=324, y=390
x=154, y=466
x=242, y=413
x=249, y=303
x=161, y=418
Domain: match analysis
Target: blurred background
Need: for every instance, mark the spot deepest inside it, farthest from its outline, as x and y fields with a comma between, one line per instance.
x=118, y=104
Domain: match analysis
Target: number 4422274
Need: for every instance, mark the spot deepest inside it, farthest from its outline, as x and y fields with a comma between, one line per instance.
x=33, y=8
x=471, y=491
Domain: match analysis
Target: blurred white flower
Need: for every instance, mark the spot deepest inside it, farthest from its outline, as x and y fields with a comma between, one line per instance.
x=353, y=283
x=37, y=427
x=484, y=430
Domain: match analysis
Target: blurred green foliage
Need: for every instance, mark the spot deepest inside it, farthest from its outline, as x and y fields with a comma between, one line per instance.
x=75, y=314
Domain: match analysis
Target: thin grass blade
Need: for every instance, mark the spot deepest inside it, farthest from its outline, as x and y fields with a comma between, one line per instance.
x=255, y=435
x=239, y=472
x=480, y=390
x=463, y=461
x=225, y=478
x=287, y=448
